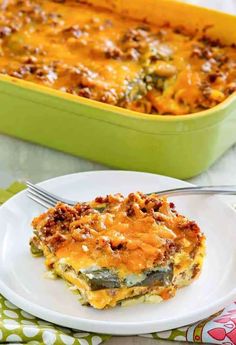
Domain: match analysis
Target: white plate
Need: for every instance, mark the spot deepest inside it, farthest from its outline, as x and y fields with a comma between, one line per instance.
x=22, y=278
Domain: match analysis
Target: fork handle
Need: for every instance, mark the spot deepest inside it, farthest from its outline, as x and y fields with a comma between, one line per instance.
x=196, y=190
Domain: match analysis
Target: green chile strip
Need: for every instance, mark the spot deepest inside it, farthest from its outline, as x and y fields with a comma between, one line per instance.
x=108, y=279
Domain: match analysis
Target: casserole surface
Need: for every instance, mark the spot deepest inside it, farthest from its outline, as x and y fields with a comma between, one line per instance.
x=97, y=54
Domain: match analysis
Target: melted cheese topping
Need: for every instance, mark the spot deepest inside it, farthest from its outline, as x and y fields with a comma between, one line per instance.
x=99, y=55
x=132, y=234
x=143, y=239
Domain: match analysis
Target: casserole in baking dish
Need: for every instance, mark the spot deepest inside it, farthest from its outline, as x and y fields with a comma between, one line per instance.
x=97, y=54
x=176, y=145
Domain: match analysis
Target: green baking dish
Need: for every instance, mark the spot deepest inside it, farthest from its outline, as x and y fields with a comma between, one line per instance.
x=179, y=146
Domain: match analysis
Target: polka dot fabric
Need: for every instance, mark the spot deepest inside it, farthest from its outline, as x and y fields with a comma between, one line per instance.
x=17, y=326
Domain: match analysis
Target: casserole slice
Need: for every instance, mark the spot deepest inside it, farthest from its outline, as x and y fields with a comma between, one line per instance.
x=120, y=250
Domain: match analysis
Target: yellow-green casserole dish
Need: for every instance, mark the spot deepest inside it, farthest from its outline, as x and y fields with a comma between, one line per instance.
x=180, y=146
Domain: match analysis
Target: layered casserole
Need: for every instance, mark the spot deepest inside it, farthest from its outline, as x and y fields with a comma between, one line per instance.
x=120, y=250
x=100, y=55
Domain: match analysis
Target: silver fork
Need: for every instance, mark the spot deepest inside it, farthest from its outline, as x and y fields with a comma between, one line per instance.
x=47, y=199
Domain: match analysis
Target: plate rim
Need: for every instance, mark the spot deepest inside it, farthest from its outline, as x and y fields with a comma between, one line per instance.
x=120, y=328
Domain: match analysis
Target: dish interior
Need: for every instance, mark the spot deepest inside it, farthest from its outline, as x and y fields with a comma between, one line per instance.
x=160, y=68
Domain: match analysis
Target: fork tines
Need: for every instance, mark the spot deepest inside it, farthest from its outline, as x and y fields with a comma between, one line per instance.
x=41, y=196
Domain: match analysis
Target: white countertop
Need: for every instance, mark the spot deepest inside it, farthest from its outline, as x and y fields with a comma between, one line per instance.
x=21, y=160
